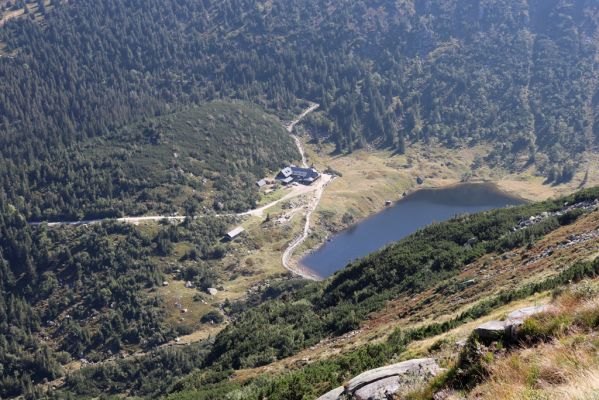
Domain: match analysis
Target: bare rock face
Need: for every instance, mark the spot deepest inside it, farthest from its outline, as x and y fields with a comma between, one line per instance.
x=520, y=315
x=516, y=318
x=385, y=382
x=380, y=382
x=491, y=330
x=334, y=394
x=508, y=329
x=448, y=394
x=382, y=389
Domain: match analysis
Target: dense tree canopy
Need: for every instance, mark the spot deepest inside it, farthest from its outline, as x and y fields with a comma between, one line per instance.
x=519, y=74
x=135, y=106
x=84, y=292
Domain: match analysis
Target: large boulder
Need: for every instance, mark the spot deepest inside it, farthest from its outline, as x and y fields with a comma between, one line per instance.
x=424, y=367
x=492, y=330
x=508, y=329
x=380, y=383
x=334, y=394
x=520, y=315
x=516, y=318
x=381, y=389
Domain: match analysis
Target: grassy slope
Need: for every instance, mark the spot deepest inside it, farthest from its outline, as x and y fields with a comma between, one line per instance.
x=495, y=272
x=368, y=346
x=257, y=257
x=568, y=359
x=555, y=358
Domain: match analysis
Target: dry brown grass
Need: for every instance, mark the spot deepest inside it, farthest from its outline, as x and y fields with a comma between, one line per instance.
x=564, y=368
x=372, y=176
x=493, y=273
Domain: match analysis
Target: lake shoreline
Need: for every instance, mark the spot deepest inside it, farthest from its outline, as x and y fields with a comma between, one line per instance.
x=370, y=177
x=495, y=188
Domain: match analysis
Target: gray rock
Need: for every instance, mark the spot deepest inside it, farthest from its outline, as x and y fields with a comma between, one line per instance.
x=379, y=390
x=334, y=394
x=520, y=315
x=419, y=366
x=508, y=329
x=472, y=241
x=516, y=318
x=448, y=394
x=491, y=330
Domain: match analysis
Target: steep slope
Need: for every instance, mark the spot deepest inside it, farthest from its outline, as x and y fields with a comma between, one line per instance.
x=549, y=354
x=339, y=331
x=73, y=295
x=492, y=274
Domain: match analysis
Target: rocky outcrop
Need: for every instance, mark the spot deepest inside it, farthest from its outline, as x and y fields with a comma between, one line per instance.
x=585, y=206
x=334, y=394
x=572, y=240
x=419, y=365
x=385, y=382
x=380, y=389
x=520, y=315
x=380, y=383
x=492, y=330
x=508, y=329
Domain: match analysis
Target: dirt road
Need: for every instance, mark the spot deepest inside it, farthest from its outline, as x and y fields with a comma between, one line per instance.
x=310, y=207
x=292, y=124
x=257, y=212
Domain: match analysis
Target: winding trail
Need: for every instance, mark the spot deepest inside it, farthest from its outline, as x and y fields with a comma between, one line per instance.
x=317, y=188
x=310, y=207
x=256, y=212
x=292, y=124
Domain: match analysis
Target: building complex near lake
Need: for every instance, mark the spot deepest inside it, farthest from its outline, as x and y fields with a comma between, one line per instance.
x=305, y=176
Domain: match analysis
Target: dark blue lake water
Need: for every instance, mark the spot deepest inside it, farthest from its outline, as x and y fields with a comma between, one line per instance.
x=413, y=212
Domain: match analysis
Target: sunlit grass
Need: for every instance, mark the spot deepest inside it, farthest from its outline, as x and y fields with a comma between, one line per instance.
x=564, y=366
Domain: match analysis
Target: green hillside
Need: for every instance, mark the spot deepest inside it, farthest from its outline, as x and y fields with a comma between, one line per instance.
x=119, y=108
x=519, y=75
x=416, y=281
x=203, y=158
x=72, y=295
